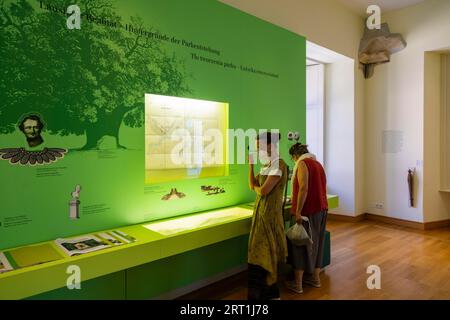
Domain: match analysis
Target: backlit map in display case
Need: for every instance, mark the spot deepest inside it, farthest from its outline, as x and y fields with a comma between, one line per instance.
x=184, y=139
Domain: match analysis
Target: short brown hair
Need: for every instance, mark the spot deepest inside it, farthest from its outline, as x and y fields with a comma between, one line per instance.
x=298, y=149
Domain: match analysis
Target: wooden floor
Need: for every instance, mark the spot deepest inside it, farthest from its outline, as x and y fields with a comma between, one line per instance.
x=414, y=265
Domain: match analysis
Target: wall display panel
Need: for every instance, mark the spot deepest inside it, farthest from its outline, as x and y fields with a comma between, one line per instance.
x=73, y=113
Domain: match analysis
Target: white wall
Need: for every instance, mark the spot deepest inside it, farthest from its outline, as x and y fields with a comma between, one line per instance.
x=340, y=141
x=395, y=101
x=331, y=25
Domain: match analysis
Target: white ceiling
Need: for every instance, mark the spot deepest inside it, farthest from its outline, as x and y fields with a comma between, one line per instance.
x=360, y=6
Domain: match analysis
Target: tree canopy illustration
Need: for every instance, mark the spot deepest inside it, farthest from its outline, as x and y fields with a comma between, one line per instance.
x=83, y=82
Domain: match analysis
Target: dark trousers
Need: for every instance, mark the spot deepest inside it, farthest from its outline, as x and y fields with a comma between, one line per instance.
x=308, y=258
x=257, y=284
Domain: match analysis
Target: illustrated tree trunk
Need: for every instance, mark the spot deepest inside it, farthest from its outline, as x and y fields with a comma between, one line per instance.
x=93, y=136
x=109, y=125
x=117, y=120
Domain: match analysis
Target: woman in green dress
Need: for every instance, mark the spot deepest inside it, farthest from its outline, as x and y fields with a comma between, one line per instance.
x=267, y=247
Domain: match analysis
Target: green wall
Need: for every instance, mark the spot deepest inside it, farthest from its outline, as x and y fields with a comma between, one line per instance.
x=88, y=87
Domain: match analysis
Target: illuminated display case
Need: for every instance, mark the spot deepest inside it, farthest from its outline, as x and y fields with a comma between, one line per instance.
x=184, y=139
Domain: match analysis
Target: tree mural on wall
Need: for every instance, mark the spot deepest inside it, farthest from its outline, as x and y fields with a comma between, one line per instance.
x=83, y=82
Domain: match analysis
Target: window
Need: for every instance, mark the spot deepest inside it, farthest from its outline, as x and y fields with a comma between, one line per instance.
x=315, y=85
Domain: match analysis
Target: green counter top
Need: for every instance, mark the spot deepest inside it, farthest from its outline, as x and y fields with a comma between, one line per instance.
x=151, y=246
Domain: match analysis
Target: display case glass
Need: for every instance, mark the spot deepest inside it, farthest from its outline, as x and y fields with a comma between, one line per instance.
x=184, y=139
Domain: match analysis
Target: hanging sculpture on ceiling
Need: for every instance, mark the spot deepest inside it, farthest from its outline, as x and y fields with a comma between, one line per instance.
x=377, y=46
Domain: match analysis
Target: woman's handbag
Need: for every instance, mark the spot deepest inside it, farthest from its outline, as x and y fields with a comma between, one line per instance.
x=298, y=234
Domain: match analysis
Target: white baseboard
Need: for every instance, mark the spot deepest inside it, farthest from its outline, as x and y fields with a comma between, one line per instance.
x=200, y=284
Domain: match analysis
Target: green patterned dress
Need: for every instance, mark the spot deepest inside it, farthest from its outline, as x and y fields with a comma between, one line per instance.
x=267, y=246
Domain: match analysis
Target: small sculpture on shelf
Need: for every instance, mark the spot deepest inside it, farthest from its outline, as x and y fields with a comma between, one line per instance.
x=211, y=190
x=74, y=204
x=174, y=194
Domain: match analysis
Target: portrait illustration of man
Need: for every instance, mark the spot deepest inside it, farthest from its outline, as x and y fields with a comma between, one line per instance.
x=32, y=126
